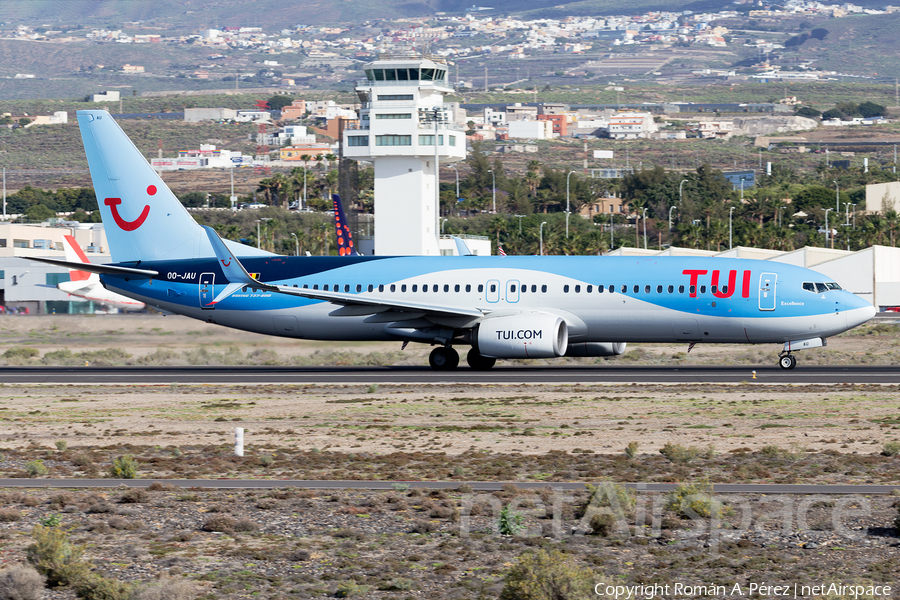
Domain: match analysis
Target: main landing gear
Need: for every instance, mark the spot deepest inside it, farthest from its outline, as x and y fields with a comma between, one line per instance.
x=443, y=358
x=787, y=361
x=478, y=362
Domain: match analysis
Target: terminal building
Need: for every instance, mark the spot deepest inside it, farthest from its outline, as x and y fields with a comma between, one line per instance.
x=29, y=287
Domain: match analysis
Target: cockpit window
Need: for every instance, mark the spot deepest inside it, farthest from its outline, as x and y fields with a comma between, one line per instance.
x=820, y=287
x=809, y=286
x=833, y=286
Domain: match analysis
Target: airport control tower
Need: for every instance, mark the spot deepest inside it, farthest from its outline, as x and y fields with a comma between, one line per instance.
x=402, y=110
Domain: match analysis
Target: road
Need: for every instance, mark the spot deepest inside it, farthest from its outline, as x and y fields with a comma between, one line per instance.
x=478, y=486
x=499, y=375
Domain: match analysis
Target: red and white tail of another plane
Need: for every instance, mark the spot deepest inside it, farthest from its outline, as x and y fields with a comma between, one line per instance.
x=87, y=285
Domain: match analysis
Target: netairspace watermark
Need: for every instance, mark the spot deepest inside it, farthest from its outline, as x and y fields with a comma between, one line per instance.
x=795, y=590
x=733, y=517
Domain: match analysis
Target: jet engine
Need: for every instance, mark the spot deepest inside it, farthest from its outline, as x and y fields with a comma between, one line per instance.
x=526, y=335
x=595, y=349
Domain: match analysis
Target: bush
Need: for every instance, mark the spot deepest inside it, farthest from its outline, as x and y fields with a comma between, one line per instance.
x=245, y=525
x=124, y=467
x=168, y=589
x=631, y=450
x=219, y=523
x=62, y=445
x=20, y=583
x=602, y=524
x=617, y=497
x=9, y=515
x=36, y=468
x=510, y=522
x=680, y=454
x=134, y=496
x=693, y=499
x=548, y=576
x=58, y=560
x=97, y=587
x=891, y=449
x=23, y=353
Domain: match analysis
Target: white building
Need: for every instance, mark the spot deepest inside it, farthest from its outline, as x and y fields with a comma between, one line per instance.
x=110, y=96
x=631, y=125
x=531, y=130
x=401, y=97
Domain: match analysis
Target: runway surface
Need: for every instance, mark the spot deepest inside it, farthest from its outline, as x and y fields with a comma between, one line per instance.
x=478, y=486
x=499, y=375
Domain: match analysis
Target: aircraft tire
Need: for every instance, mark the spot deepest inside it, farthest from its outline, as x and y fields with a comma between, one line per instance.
x=477, y=362
x=443, y=359
x=787, y=362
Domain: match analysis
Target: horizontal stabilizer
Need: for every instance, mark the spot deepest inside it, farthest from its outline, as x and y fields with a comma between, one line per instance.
x=92, y=268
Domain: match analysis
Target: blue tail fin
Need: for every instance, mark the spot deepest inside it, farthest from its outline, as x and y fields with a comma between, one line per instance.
x=345, y=244
x=142, y=217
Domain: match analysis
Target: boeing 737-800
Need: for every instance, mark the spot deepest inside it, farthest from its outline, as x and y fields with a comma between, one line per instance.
x=502, y=307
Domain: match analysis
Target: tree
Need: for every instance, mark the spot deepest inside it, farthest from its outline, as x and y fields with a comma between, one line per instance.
x=808, y=112
x=870, y=109
x=833, y=113
x=39, y=212
x=279, y=101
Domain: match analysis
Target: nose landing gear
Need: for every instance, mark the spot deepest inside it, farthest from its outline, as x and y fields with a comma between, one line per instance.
x=787, y=361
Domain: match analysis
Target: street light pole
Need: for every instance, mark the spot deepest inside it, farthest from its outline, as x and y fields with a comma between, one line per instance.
x=296, y=244
x=681, y=190
x=645, y=228
x=493, y=190
x=612, y=228
x=457, y=180
x=846, y=213
x=541, y=234
x=730, y=213
x=837, y=196
x=827, y=232
x=520, y=217
x=854, y=215
x=671, y=208
x=567, y=203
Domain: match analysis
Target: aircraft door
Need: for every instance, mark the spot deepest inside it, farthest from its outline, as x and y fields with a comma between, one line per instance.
x=767, y=291
x=207, y=291
x=492, y=292
x=512, y=290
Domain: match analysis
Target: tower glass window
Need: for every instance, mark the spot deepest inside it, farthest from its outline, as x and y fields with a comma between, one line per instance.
x=393, y=140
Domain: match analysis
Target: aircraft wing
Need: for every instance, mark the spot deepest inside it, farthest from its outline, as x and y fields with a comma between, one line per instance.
x=354, y=304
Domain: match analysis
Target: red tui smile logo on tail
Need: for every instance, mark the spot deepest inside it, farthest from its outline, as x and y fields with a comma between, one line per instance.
x=113, y=204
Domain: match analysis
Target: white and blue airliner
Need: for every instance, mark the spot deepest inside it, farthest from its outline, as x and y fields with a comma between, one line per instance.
x=500, y=307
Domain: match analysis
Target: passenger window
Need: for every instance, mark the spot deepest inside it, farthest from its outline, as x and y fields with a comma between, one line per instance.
x=612, y=289
x=820, y=287
x=512, y=288
x=324, y=287
x=425, y=288
x=358, y=287
x=380, y=287
x=543, y=289
x=415, y=287
x=393, y=287
x=434, y=288
x=371, y=287
x=636, y=289
x=680, y=289
x=693, y=289
x=493, y=287
x=305, y=286
x=659, y=289
x=347, y=287
x=403, y=288
x=533, y=288
x=646, y=289
x=713, y=289
x=468, y=287
x=244, y=289
x=702, y=289
x=624, y=289
x=566, y=289
x=809, y=286
x=670, y=289
x=724, y=289
x=480, y=288
x=446, y=287
x=599, y=289
x=577, y=289
x=589, y=289
x=456, y=288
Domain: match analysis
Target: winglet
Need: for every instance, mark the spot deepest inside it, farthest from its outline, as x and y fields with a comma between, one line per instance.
x=234, y=271
x=461, y=248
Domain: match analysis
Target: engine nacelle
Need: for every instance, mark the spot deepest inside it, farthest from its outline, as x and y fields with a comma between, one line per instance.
x=595, y=349
x=527, y=335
